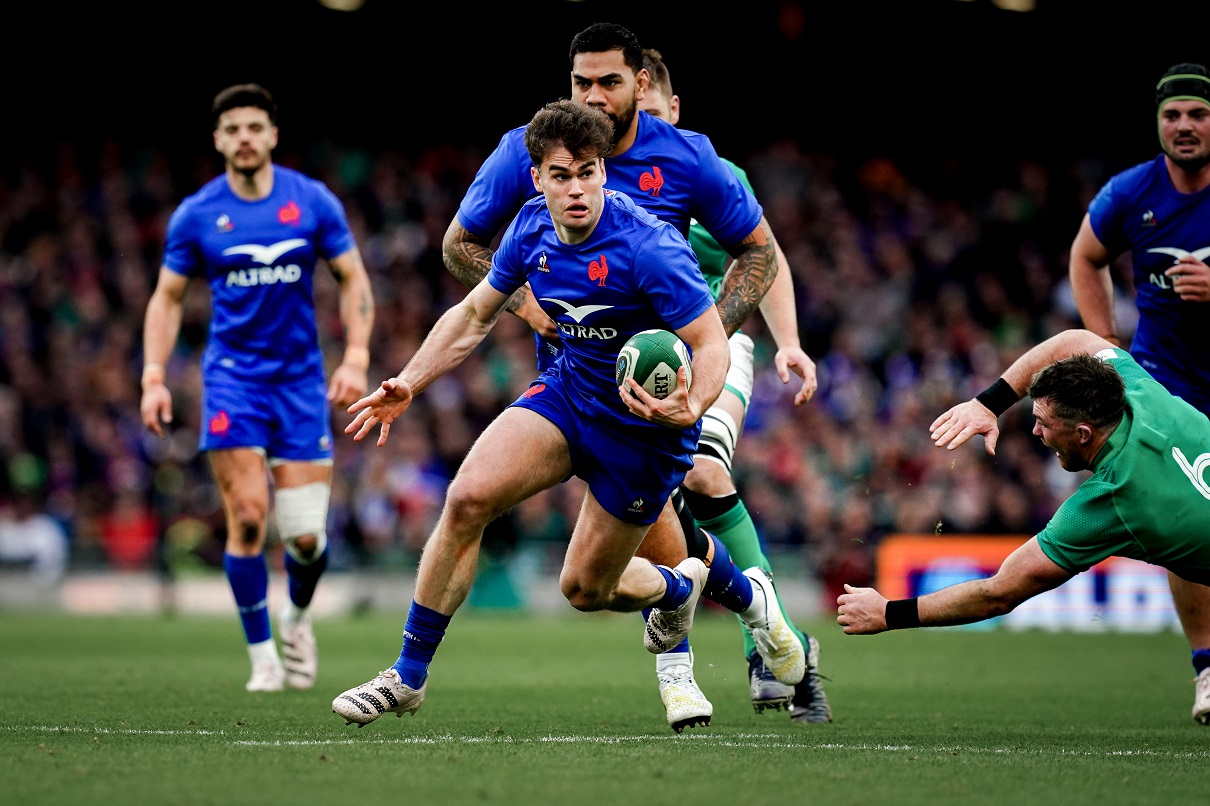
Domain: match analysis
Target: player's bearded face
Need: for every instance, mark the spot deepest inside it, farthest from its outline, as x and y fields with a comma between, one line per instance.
x=1185, y=133
x=245, y=137
x=1060, y=436
x=603, y=80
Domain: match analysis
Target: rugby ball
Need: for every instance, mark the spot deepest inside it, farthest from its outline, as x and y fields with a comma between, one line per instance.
x=652, y=358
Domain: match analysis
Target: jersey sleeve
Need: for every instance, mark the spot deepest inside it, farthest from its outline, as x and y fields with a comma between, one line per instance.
x=181, y=252
x=501, y=185
x=1086, y=529
x=667, y=271
x=721, y=203
x=507, y=273
x=1105, y=216
x=334, y=235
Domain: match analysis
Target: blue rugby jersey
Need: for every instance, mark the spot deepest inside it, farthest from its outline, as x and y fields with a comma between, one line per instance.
x=633, y=273
x=258, y=258
x=671, y=173
x=1139, y=211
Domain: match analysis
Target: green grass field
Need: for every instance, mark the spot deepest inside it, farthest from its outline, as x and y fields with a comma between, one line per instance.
x=521, y=709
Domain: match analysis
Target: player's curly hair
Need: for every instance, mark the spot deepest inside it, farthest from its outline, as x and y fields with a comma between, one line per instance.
x=1082, y=389
x=586, y=132
x=602, y=37
x=253, y=95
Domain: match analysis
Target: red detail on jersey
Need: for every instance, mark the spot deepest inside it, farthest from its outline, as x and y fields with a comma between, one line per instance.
x=290, y=214
x=220, y=423
x=598, y=270
x=652, y=181
x=536, y=389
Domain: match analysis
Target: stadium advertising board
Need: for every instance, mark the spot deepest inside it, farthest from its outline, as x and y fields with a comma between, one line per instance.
x=1117, y=594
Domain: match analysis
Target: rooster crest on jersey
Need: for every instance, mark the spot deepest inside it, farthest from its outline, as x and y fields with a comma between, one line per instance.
x=652, y=358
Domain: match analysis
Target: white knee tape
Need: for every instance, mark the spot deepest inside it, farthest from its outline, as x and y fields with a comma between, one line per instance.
x=303, y=511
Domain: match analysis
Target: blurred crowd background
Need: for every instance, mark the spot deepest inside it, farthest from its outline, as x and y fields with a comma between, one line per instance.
x=919, y=273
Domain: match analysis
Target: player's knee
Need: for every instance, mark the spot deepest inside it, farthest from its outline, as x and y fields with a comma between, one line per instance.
x=302, y=515
x=469, y=504
x=708, y=477
x=583, y=595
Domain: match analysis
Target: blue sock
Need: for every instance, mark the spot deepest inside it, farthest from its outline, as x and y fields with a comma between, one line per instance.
x=683, y=646
x=421, y=634
x=677, y=590
x=1201, y=660
x=726, y=584
x=303, y=577
x=249, y=580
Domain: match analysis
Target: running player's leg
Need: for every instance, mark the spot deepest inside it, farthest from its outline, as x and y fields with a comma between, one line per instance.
x=301, y=462
x=1192, y=603
x=244, y=487
x=518, y=455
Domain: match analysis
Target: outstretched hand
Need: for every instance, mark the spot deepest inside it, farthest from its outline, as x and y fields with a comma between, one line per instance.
x=861, y=611
x=388, y=401
x=962, y=422
x=673, y=411
x=794, y=359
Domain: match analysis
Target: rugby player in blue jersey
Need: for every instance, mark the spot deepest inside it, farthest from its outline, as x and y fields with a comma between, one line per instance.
x=603, y=269
x=677, y=176
x=254, y=235
x=1159, y=212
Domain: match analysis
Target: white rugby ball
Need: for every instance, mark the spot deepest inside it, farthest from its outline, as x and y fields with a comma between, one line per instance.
x=652, y=358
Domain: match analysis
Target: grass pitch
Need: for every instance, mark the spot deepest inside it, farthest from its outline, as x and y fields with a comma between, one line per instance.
x=536, y=710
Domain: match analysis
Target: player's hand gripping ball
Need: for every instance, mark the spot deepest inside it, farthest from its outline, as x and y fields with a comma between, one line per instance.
x=652, y=358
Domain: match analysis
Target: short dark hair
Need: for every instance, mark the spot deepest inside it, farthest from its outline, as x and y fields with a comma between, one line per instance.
x=583, y=130
x=602, y=37
x=653, y=60
x=1082, y=389
x=253, y=95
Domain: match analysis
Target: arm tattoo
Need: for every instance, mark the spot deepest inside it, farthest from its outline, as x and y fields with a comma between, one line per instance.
x=469, y=258
x=746, y=284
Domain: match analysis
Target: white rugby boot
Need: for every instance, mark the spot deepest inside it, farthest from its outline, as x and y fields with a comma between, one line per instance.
x=777, y=644
x=385, y=694
x=684, y=703
x=667, y=628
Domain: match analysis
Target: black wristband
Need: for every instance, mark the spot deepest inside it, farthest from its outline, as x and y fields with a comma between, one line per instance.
x=999, y=397
x=902, y=613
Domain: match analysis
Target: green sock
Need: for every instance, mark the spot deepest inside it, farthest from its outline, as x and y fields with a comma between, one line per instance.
x=738, y=533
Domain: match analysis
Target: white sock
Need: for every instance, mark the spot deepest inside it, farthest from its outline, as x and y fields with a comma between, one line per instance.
x=264, y=652
x=666, y=660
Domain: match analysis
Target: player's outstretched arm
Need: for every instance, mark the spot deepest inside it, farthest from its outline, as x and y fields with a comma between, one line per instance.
x=468, y=257
x=161, y=326
x=348, y=382
x=456, y=333
x=1023, y=575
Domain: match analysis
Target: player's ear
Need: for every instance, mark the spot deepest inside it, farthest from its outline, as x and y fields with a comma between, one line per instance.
x=536, y=177
x=674, y=107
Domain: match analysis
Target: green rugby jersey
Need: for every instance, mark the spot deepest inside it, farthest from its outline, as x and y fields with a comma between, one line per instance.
x=712, y=257
x=1147, y=498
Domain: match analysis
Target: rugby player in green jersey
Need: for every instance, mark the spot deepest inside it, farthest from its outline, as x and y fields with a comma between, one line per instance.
x=708, y=489
x=1147, y=497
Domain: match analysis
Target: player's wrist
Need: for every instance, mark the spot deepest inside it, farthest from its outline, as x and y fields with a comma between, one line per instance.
x=999, y=397
x=357, y=357
x=902, y=614
x=153, y=375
